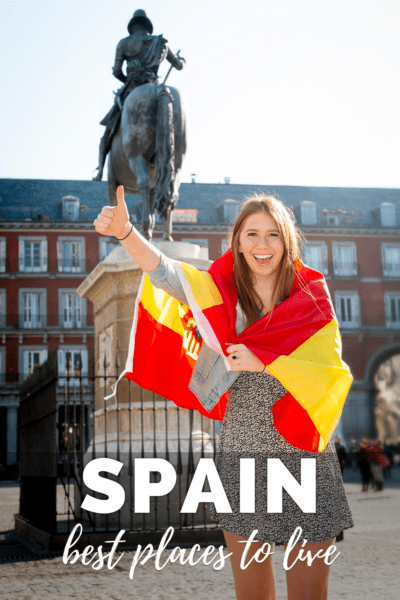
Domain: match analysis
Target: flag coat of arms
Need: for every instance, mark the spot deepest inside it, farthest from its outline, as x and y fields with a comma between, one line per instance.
x=299, y=342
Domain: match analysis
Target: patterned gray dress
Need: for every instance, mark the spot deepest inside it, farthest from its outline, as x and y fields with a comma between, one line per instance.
x=248, y=431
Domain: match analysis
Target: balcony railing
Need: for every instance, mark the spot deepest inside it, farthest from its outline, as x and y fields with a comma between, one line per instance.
x=12, y=378
x=390, y=271
x=29, y=322
x=352, y=271
x=18, y=266
x=73, y=266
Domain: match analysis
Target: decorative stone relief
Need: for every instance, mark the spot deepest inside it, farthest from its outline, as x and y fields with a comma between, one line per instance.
x=106, y=339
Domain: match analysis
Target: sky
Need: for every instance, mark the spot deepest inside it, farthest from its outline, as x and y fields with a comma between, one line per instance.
x=282, y=92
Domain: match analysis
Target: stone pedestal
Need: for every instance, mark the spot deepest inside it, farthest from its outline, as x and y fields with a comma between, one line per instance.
x=136, y=422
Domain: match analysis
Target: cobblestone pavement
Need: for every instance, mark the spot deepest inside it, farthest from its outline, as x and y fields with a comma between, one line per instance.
x=367, y=568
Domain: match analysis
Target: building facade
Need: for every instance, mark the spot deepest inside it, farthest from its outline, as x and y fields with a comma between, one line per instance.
x=48, y=246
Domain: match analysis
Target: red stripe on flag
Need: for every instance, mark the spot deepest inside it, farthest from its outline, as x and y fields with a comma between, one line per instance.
x=154, y=370
x=294, y=424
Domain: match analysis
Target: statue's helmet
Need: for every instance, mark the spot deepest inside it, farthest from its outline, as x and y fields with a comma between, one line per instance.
x=140, y=18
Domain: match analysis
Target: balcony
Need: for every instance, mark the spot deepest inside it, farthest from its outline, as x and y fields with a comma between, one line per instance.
x=58, y=267
x=83, y=265
x=390, y=271
x=353, y=271
x=45, y=322
x=12, y=378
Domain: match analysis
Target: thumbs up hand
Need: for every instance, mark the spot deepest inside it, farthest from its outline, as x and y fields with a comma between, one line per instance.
x=114, y=220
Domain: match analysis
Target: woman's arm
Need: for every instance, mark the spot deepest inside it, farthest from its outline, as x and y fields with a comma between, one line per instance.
x=114, y=220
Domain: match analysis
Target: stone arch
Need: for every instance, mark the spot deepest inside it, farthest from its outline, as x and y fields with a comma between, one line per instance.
x=377, y=359
x=383, y=377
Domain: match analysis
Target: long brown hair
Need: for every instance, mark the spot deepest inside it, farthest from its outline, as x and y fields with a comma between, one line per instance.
x=249, y=300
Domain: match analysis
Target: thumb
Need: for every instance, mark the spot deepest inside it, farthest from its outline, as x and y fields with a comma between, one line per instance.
x=121, y=197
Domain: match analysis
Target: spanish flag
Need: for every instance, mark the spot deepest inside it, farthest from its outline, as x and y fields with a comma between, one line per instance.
x=299, y=342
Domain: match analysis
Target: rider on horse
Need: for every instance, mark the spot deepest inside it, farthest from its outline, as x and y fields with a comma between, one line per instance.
x=143, y=53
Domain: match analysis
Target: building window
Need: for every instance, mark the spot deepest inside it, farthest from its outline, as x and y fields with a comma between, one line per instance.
x=224, y=245
x=71, y=255
x=348, y=309
x=308, y=213
x=106, y=245
x=391, y=260
x=388, y=214
x=70, y=208
x=392, y=309
x=345, y=258
x=32, y=358
x=32, y=308
x=229, y=210
x=2, y=254
x=315, y=255
x=72, y=309
x=72, y=364
x=32, y=254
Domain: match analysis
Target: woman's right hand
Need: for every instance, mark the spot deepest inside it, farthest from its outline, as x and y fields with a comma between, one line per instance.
x=114, y=220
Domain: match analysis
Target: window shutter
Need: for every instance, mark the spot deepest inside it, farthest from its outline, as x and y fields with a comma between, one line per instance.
x=59, y=255
x=26, y=363
x=354, y=259
x=384, y=261
x=324, y=256
x=44, y=254
x=21, y=254
x=40, y=309
x=85, y=361
x=335, y=257
x=388, y=310
x=43, y=356
x=61, y=366
x=356, y=309
x=78, y=311
x=3, y=256
x=338, y=307
x=64, y=309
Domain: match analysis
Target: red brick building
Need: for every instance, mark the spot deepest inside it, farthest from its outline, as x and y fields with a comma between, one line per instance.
x=48, y=246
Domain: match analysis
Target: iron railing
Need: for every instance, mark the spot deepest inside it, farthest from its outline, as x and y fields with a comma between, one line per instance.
x=48, y=265
x=136, y=423
x=65, y=320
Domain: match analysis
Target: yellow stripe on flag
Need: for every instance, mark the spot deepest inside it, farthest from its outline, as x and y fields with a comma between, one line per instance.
x=316, y=376
x=161, y=306
x=203, y=287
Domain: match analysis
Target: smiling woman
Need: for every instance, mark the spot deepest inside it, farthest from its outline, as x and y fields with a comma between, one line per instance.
x=286, y=411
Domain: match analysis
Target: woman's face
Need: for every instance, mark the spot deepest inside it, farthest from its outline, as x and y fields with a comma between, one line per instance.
x=261, y=244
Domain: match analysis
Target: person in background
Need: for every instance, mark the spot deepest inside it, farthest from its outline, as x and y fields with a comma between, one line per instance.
x=363, y=464
x=341, y=452
x=389, y=451
x=377, y=462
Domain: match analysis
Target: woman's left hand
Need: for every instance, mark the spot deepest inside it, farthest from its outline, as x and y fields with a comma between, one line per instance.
x=244, y=359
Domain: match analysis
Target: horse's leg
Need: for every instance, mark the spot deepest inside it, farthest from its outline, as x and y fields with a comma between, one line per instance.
x=112, y=184
x=168, y=226
x=112, y=192
x=138, y=167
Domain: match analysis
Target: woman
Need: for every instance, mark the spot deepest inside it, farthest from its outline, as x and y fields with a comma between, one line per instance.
x=265, y=249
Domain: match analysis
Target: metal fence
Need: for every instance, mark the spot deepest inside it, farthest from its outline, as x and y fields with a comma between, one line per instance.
x=65, y=422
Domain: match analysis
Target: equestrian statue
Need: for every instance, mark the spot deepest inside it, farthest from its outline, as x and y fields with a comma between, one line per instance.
x=145, y=129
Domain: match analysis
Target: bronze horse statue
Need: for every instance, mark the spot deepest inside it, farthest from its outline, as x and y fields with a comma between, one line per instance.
x=147, y=152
